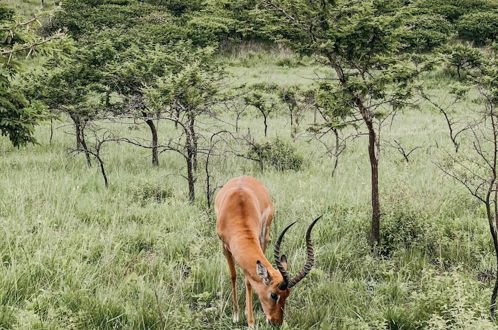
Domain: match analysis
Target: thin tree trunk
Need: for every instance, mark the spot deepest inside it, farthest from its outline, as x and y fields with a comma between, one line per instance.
x=265, y=123
x=292, y=124
x=80, y=138
x=84, y=146
x=374, y=164
x=374, y=167
x=77, y=127
x=177, y=112
x=208, y=179
x=102, y=171
x=153, y=131
x=336, y=153
x=190, y=174
x=51, y=131
x=191, y=158
x=492, y=229
x=194, y=140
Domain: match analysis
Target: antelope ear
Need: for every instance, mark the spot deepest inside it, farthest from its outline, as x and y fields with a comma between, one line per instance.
x=263, y=273
x=283, y=261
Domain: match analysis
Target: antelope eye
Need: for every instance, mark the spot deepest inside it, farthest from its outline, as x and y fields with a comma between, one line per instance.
x=274, y=296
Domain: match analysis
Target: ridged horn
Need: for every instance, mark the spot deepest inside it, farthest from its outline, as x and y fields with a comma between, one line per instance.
x=276, y=254
x=310, y=257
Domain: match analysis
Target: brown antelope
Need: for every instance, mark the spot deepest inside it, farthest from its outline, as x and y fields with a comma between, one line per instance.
x=244, y=213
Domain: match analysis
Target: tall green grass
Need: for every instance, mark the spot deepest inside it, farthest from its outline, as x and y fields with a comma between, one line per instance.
x=74, y=255
x=29, y=8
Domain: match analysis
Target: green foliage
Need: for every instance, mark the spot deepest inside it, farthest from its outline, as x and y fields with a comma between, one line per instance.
x=209, y=29
x=155, y=21
x=462, y=57
x=452, y=10
x=402, y=230
x=71, y=82
x=88, y=17
x=426, y=31
x=225, y=21
x=278, y=153
x=18, y=116
x=179, y=7
x=262, y=101
x=363, y=43
x=455, y=308
x=146, y=192
x=190, y=86
x=480, y=27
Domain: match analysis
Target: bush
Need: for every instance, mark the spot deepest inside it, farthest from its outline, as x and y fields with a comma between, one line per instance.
x=146, y=192
x=426, y=32
x=462, y=57
x=279, y=154
x=481, y=27
x=450, y=300
x=452, y=10
x=288, y=62
x=403, y=230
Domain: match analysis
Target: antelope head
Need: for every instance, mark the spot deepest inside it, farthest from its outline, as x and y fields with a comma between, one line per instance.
x=277, y=284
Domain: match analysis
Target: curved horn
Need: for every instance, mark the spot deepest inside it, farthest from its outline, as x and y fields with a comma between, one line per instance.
x=310, y=258
x=276, y=254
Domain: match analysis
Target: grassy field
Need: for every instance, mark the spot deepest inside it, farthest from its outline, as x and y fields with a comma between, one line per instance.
x=75, y=255
x=28, y=8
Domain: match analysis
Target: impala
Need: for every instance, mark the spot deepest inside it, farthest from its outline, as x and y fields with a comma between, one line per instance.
x=244, y=213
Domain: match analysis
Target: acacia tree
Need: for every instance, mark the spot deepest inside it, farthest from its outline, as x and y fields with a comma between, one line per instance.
x=260, y=96
x=71, y=83
x=362, y=43
x=462, y=57
x=477, y=169
x=131, y=71
x=297, y=102
x=18, y=116
x=184, y=97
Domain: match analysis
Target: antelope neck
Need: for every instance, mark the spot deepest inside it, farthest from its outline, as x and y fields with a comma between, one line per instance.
x=247, y=253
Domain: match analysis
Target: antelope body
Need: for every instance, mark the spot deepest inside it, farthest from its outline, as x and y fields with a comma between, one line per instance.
x=244, y=213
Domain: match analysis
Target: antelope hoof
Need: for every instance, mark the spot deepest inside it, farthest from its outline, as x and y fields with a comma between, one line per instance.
x=235, y=317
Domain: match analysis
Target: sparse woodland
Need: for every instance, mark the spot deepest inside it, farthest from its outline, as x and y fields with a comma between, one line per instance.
x=121, y=119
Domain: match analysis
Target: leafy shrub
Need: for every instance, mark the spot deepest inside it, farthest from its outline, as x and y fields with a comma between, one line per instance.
x=146, y=192
x=462, y=57
x=426, y=32
x=278, y=154
x=454, y=9
x=289, y=62
x=481, y=27
x=450, y=300
x=403, y=230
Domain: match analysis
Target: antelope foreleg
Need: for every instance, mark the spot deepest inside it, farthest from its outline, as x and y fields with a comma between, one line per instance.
x=249, y=312
x=233, y=279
